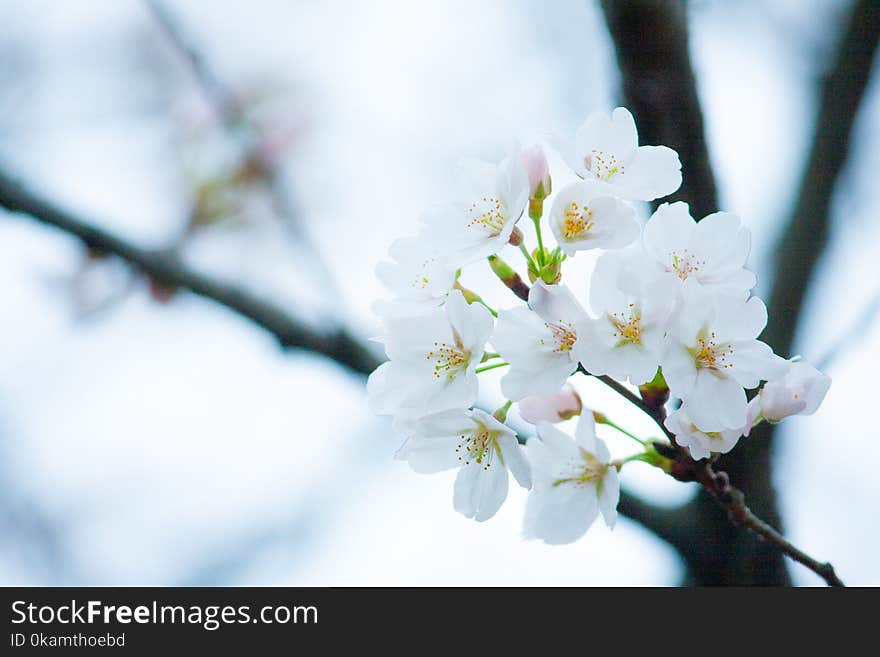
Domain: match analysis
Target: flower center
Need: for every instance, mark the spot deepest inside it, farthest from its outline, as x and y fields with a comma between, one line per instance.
x=627, y=326
x=712, y=435
x=585, y=471
x=421, y=280
x=489, y=214
x=477, y=446
x=710, y=355
x=449, y=360
x=604, y=166
x=578, y=222
x=564, y=335
x=686, y=264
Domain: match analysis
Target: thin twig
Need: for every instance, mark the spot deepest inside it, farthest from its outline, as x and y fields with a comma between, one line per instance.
x=656, y=413
x=233, y=115
x=718, y=485
x=166, y=267
x=731, y=498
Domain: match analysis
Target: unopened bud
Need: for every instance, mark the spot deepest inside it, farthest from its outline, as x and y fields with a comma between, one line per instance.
x=555, y=407
x=516, y=237
x=509, y=277
x=799, y=392
x=537, y=169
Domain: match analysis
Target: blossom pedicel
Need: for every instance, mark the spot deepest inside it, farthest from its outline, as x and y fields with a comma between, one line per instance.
x=669, y=307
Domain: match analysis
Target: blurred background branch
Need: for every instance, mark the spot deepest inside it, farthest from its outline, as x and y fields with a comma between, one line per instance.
x=256, y=157
x=167, y=268
x=651, y=39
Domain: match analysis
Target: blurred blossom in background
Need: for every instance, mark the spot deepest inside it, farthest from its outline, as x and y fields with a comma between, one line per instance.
x=148, y=436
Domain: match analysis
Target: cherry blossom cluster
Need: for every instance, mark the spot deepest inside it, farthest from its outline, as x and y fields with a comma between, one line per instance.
x=670, y=308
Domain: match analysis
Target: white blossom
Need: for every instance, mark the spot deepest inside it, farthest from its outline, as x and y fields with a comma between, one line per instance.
x=573, y=481
x=541, y=342
x=712, y=252
x=586, y=215
x=607, y=149
x=632, y=306
x=712, y=354
x=417, y=276
x=432, y=360
x=489, y=199
x=700, y=443
x=483, y=449
x=799, y=392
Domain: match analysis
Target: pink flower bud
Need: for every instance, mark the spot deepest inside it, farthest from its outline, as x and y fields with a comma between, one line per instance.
x=556, y=407
x=538, y=171
x=799, y=392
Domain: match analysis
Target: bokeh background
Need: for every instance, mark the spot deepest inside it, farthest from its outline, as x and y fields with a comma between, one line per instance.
x=150, y=437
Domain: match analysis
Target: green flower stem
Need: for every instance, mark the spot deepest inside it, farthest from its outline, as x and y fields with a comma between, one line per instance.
x=528, y=257
x=537, y=222
x=486, y=368
x=624, y=431
x=618, y=463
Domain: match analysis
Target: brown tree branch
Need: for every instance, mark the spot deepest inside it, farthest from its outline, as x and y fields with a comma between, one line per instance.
x=717, y=484
x=166, y=267
x=651, y=40
x=804, y=237
x=803, y=240
x=658, y=83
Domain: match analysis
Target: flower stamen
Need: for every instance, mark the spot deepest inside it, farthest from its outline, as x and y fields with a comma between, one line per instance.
x=578, y=222
x=478, y=446
x=709, y=354
x=628, y=326
x=450, y=360
x=604, y=166
x=564, y=335
x=489, y=214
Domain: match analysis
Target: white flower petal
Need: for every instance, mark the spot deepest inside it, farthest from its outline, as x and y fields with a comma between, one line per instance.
x=654, y=172
x=716, y=403
x=556, y=518
x=523, y=381
x=668, y=231
x=451, y=422
x=515, y=460
x=609, y=496
x=430, y=455
x=480, y=491
x=555, y=303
